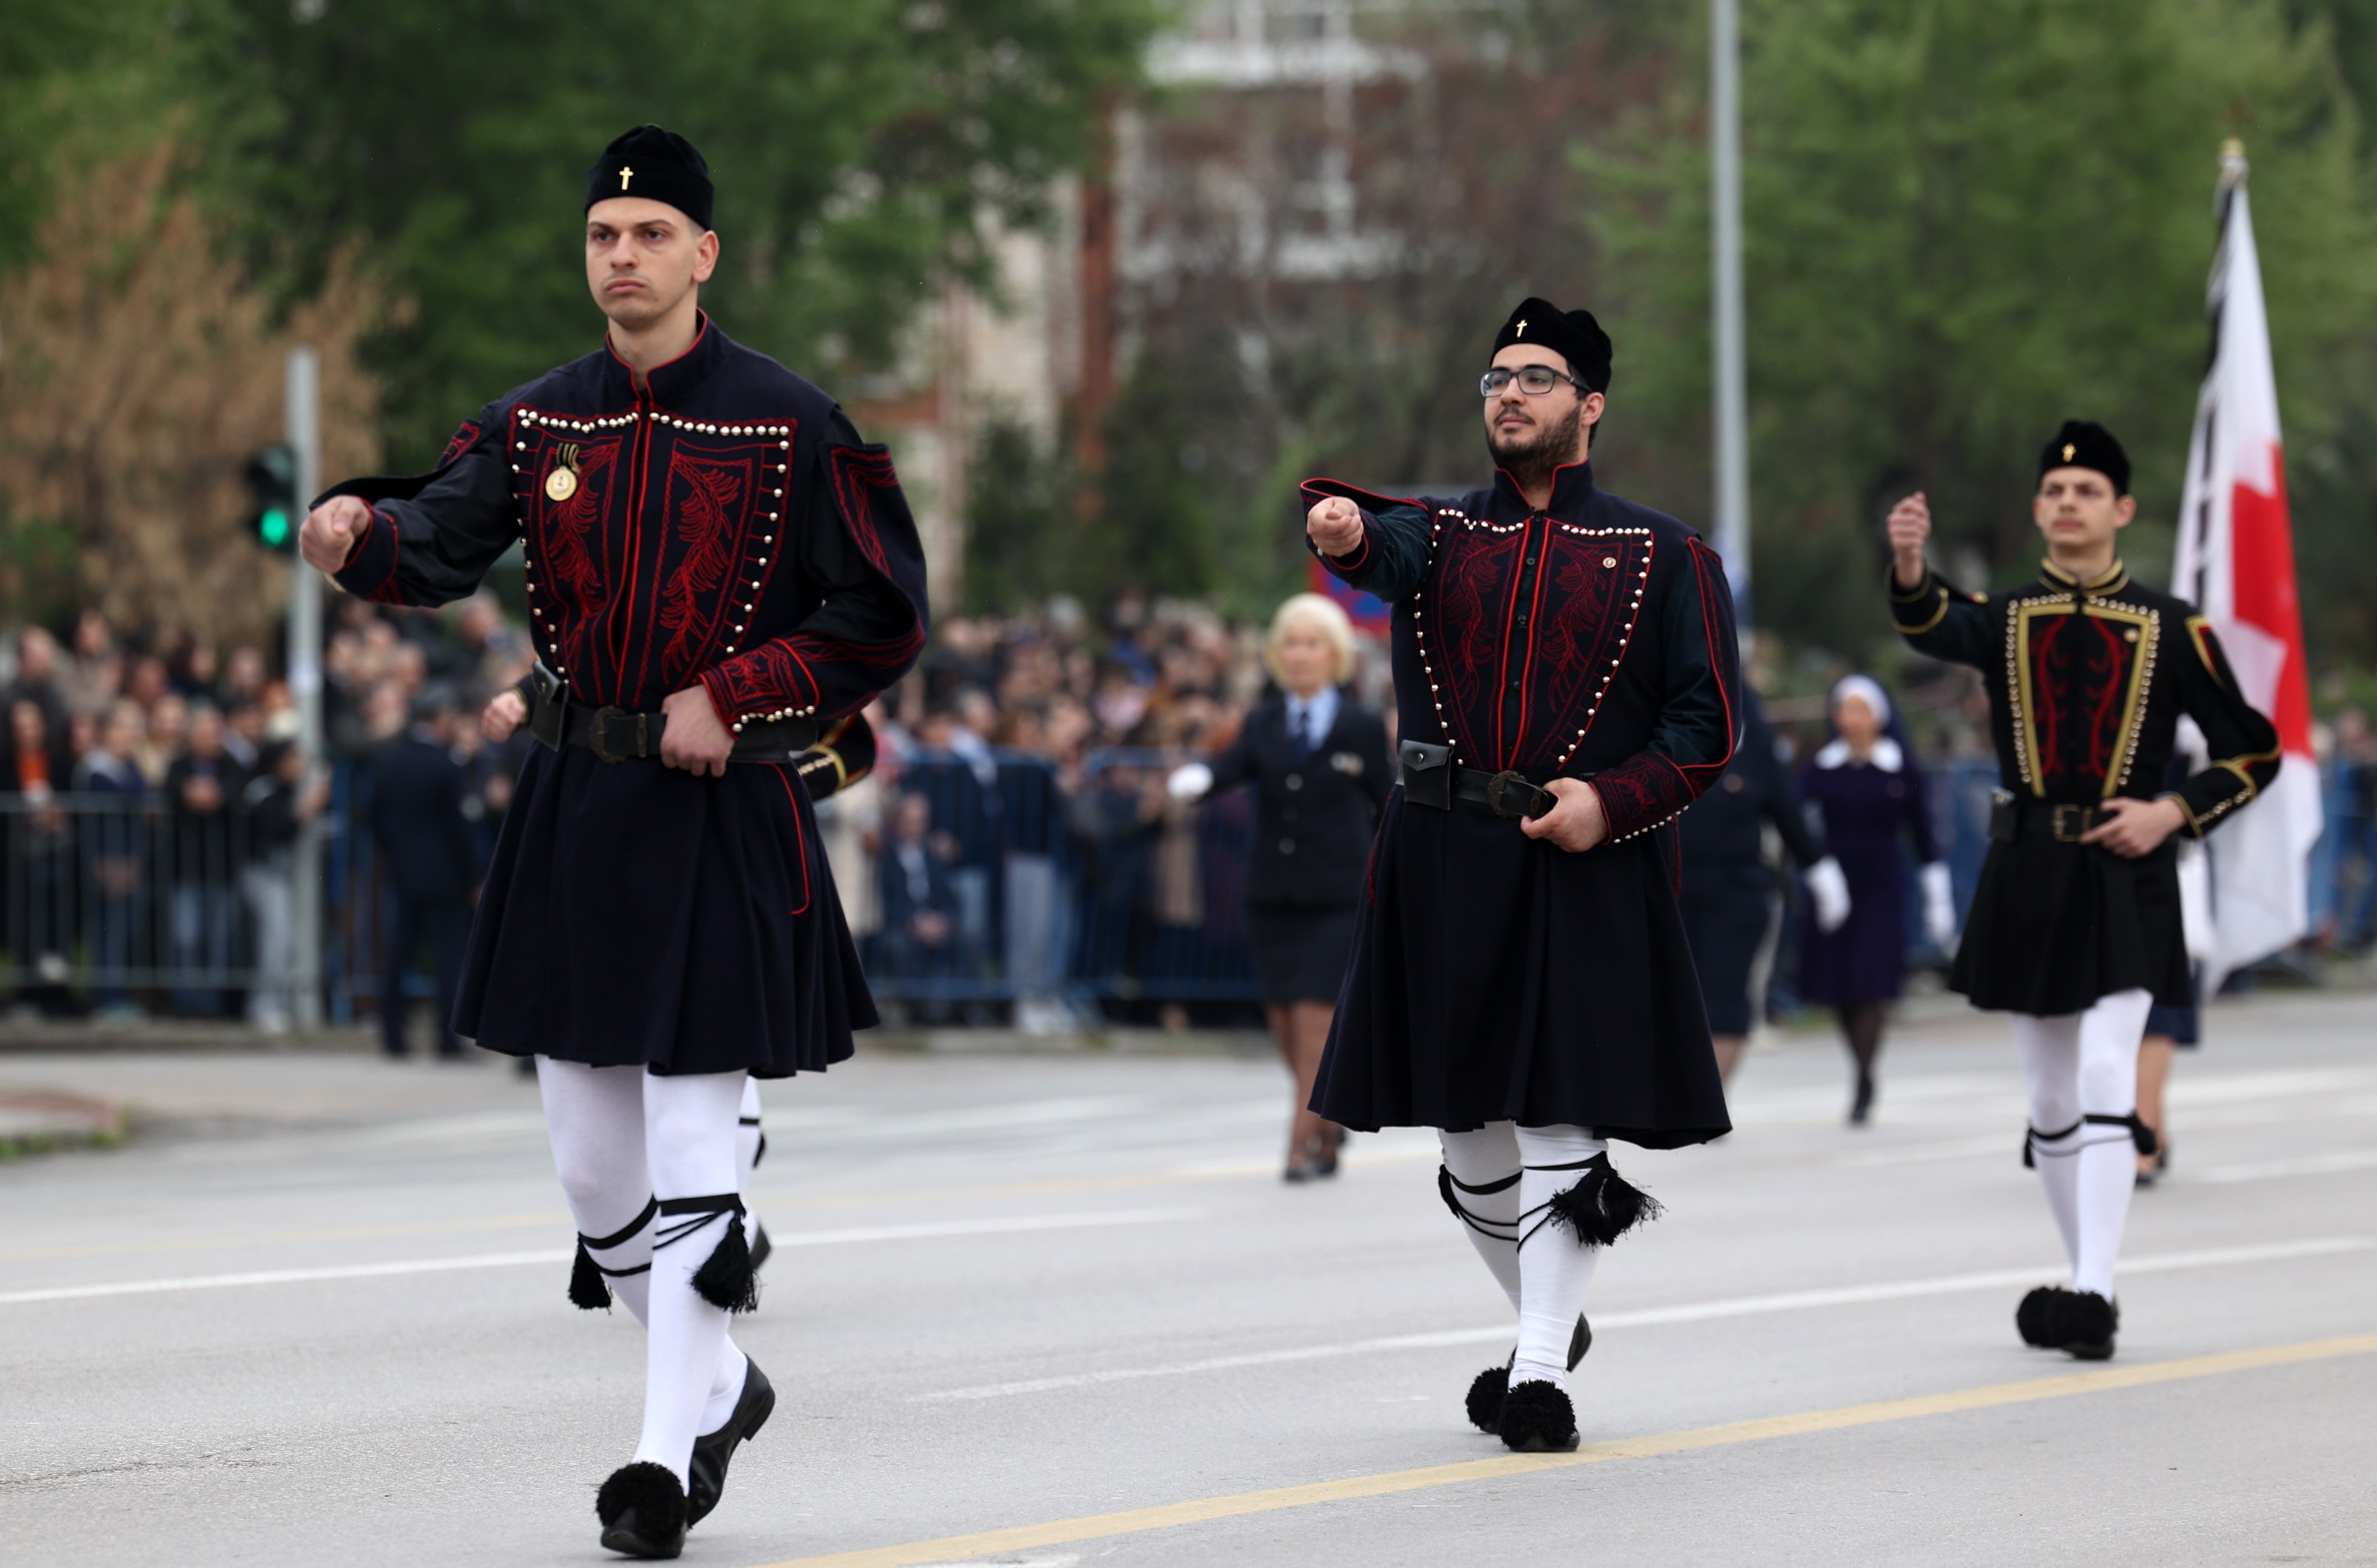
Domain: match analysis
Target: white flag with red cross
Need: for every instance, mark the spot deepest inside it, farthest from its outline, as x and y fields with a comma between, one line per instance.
x=2235, y=564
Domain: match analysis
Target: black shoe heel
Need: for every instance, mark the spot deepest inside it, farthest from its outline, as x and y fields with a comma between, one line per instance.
x=712, y=1452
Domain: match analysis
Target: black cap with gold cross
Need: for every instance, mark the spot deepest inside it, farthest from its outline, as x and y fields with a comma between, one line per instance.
x=658, y=165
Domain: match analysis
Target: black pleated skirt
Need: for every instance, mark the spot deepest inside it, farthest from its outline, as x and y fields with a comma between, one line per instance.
x=1498, y=978
x=2055, y=925
x=638, y=915
x=1300, y=952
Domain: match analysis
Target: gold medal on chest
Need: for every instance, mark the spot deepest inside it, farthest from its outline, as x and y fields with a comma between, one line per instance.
x=562, y=483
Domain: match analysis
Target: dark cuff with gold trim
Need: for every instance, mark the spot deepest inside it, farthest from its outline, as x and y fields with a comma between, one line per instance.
x=1920, y=609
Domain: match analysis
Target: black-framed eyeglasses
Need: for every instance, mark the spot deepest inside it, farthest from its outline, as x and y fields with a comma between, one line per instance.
x=1533, y=380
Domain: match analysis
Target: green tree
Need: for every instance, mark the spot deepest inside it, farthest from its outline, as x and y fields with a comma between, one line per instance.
x=1023, y=519
x=856, y=145
x=1967, y=220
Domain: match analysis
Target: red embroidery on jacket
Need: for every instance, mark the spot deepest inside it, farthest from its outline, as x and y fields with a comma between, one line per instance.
x=1584, y=635
x=1462, y=616
x=464, y=438
x=388, y=593
x=856, y=475
x=1642, y=792
x=767, y=678
x=2080, y=677
x=710, y=496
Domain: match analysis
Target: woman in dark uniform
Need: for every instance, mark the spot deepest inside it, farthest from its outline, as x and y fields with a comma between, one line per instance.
x=1869, y=790
x=1727, y=892
x=1319, y=761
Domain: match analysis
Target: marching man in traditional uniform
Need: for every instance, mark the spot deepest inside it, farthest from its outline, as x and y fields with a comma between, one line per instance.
x=2075, y=927
x=717, y=568
x=1521, y=980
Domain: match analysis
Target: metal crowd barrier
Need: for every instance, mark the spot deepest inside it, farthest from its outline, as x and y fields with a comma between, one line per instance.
x=1106, y=894
x=1109, y=894
x=119, y=899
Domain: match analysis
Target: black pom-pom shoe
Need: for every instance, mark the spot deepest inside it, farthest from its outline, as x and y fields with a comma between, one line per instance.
x=2083, y=1326
x=712, y=1452
x=1538, y=1419
x=1484, y=1400
x=642, y=1510
x=2034, y=1318
x=1486, y=1389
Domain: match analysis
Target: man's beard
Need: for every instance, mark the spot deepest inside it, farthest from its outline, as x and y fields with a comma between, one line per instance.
x=1532, y=461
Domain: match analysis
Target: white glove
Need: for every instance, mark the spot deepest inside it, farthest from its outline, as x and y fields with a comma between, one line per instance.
x=1190, y=782
x=1828, y=889
x=1939, y=905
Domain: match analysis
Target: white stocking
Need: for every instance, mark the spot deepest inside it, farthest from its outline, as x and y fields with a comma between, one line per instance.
x=750, y=1142
x=689, y=1125
x=2050, y=1067
x=1485, y=1166
x=595, y=1118
x=599, y=1119
x=2083, y=1073
x=1555, y=1267
x=2109, y=1033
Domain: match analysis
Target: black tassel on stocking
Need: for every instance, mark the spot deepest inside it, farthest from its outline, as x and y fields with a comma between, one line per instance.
x=727, y=1281
x=1603, y=1206
x=587, y=1287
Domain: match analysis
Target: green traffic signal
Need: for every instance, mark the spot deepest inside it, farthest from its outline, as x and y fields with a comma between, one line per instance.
x=272, y=481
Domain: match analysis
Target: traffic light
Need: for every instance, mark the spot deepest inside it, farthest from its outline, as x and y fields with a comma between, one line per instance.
x=272, y=481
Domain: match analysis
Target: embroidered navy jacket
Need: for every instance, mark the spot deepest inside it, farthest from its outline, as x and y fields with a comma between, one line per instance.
x=2086, y=684
x=722, y=523
x=1592, y=638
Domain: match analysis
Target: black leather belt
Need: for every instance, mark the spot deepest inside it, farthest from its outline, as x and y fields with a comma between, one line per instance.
x=1430, y=777
x=2015, y=817
x=616, y=734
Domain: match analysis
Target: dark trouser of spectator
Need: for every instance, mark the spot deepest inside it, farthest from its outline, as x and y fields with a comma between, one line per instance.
x=270, y=890
x=443, y=926
x=117, y=919
x=204, y=933
x=2361, y=918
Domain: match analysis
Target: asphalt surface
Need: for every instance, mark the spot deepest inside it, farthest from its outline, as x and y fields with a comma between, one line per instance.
x=313, y=1313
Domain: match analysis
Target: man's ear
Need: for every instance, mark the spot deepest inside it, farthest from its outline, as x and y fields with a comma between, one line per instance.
x=2125, y=511
x=705, y=260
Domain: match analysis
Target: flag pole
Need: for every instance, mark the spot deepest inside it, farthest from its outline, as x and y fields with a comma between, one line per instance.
x=1731, y=372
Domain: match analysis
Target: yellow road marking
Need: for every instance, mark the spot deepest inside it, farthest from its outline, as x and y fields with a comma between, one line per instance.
x=1167, y=1516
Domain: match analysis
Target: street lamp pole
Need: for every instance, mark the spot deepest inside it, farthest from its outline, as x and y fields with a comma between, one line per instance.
x=1731, y=364
x=304, y=424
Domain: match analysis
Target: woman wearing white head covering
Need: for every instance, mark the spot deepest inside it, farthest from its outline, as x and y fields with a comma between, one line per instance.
x=1870, y=792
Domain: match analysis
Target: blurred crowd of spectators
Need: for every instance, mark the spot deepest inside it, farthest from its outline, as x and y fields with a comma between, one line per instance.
x=1017, y=825
x=1014, y=840
x=188, y=792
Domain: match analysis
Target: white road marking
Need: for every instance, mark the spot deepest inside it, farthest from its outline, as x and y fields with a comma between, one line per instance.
x=1958, y=1149
x=1700, y=1311
x=2306, y=1165
x=508, y=1260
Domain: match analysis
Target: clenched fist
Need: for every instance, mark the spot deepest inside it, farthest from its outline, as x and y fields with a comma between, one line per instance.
x=332, y=530
x=506, y=711
x=1576, y=824
x=1334, y=526
x=1910, y=525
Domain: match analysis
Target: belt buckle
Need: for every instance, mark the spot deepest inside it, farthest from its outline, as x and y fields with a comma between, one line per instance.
x=598, y=729
x=1499, y=786
x=2059, y=822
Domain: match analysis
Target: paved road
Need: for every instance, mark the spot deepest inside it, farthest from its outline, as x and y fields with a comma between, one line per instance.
x=1019, y=1293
